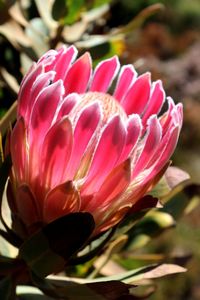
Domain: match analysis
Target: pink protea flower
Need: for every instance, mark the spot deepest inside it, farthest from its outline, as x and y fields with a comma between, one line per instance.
x=77, y=146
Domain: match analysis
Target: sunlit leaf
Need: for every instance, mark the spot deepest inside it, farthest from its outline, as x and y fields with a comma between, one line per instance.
x=74, y=32
x=97, y=11
x=6, y=248
x=175, y=176
x=74, y=10
x=114, y=247
x=31, y=293
x=147, y=272
x=157, y=272
x=15, y=34
x=26, y=63
x=107, y=268
x=38, y=34
x=10, y=80
x=17, y=14
x=45, y=7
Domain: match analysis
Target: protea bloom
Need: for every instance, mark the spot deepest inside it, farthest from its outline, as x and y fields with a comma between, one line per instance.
x=81, y=145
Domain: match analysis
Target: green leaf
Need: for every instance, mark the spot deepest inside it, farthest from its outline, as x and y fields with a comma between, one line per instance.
x=147, y=272
x=114, y=247
x=101, y=290
x=65, y=289
x=153, y=224
x=44, y=8
x=38, y=34
x=161, y=189
x=74, y=10
x=112, y=283
x=180, y=198
x=173, y=176
x=67, y=10
x=97, y=3
x=9, y=235
x=49, y=249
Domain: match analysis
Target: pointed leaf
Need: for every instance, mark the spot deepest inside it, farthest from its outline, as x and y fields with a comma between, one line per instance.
x=105, y=290
x=180, y=198
x=153, y=224
x=175, y=176
x=147, y=272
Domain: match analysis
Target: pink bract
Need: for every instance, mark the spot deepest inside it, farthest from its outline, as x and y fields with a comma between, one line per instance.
x=80, y=145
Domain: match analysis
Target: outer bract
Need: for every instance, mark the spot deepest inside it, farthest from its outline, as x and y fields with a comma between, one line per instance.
x=81, y=145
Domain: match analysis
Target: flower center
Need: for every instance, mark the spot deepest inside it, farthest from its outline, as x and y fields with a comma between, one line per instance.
x=110, y=106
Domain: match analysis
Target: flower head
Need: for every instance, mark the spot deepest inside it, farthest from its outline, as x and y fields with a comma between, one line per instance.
x=77, y=146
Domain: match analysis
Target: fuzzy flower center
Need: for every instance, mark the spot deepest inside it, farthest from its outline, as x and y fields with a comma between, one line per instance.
x=110, y=106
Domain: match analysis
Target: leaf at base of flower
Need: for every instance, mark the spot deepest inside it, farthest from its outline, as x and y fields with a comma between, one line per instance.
x=49, y=249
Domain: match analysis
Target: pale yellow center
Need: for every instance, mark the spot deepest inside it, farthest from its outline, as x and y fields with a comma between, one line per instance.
x=108, y=104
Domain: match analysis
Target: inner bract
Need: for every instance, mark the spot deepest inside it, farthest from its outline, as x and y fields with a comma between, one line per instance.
x=110, y=106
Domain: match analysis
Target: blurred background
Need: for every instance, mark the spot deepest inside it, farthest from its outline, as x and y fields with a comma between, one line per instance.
x=161, y=37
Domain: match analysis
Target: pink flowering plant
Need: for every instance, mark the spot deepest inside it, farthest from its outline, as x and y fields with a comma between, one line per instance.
x=81, y=165
x=79, y=146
